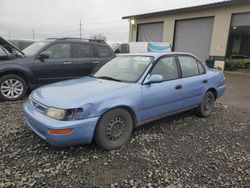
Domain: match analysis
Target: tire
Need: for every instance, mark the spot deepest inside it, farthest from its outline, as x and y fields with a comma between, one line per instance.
x=247, y=66
x=12, y=87
x=114, y=129
x=206, y=106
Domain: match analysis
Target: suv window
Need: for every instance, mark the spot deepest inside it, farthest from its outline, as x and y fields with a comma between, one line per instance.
x=103, y=51
x=167, y=67
x=58, y=51
x=189, y=66
x=81, y=50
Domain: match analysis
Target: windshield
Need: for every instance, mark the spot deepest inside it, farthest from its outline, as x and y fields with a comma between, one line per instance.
x=4, y=52
x=114, y=45
x=124, y=69
x=34, y=48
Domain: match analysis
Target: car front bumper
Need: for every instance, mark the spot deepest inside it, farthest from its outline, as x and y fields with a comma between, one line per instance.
x=83, y=130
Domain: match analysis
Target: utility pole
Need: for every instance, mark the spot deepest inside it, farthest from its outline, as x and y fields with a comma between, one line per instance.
x=80, y=29
x=33, y=34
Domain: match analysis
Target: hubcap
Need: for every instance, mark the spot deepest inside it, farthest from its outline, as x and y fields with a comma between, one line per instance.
x=208, y=103
x=115, y=128
x=12, y=88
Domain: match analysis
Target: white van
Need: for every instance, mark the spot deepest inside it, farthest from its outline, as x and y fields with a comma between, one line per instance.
x=137, y=47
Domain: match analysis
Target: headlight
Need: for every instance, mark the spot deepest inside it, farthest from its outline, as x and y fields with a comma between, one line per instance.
x=56, y=113
x=60, y=114
x=30, y=98
x=75, y=114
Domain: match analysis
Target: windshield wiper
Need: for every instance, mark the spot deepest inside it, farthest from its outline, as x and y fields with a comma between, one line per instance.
x=108, y=78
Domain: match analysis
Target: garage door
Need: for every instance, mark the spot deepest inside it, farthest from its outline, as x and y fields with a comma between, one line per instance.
x=241, y=19
x=152, y=32
x=194, y=36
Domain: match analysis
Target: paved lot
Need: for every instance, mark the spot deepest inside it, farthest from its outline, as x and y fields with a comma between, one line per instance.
x=238, y=91
x=178, y=151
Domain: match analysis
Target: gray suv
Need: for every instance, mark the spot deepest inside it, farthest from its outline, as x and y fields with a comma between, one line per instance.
x=49, y=61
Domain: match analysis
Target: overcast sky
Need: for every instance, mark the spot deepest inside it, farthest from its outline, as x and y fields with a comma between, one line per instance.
x=57, y=18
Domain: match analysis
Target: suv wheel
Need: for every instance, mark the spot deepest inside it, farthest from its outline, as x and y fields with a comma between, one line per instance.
x=12, y=87
x=207, y=105
x=114, y=129
x=247, y=66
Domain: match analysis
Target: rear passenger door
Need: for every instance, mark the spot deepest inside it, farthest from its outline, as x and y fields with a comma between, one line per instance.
x=82, y=58
x=193, y=80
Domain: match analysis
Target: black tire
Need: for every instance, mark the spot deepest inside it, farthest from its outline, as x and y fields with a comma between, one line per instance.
x=247, y=66
x=207, y=105
x=20, y=88
x=114, y=129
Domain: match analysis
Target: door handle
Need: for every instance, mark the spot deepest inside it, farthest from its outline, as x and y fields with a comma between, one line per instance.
x=178, y=87
x=96, y=62
x=204, y=81
x=67, y=62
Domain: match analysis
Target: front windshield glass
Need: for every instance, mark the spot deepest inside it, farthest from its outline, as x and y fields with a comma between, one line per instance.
x=124, y=69
x=34, y=48
x=4, y=52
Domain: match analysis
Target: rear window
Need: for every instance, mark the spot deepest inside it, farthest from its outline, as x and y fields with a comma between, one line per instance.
x=103, y=51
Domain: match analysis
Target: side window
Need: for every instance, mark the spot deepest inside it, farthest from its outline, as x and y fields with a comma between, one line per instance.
x=189, y=66
x=167, y=67
x=201, y=68
x=124, y=48
x=103, y=51
x=81, y=50
x=58, y=51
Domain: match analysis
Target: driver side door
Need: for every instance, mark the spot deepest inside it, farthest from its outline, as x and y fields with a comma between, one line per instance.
x=56, y=67
x=159, y=99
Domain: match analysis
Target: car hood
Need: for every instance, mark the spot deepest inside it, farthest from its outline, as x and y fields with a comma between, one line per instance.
x=69, y=93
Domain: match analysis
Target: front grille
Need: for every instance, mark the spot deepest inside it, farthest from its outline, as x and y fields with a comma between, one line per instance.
x=41, y=108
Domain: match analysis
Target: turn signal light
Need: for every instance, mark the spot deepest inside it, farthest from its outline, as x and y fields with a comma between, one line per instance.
x=60, y=131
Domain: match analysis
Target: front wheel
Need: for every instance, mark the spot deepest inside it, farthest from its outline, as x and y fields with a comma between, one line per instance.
x=114, y=129
x=12, y=87
x=207, y=105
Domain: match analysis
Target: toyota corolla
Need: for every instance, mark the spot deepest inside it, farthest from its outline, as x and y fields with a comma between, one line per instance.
x=127, y=92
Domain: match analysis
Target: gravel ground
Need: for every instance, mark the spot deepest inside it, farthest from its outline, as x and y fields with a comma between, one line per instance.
x=179, y=151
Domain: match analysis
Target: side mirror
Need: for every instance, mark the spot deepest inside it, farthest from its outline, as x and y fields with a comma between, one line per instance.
x=43, y=56
x=117, y=51
x=155, y=78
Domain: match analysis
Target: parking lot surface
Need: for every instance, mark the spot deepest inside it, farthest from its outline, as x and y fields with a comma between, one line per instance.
x=181, y=150
x=238, y=91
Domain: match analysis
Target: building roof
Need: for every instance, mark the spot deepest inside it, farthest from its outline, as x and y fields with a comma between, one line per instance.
x=188, y=9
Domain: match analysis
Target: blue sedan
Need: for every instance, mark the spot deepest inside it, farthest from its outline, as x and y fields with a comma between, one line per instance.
x=127, y=92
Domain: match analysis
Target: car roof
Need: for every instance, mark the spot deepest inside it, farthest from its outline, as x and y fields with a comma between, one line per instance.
x=157, y=54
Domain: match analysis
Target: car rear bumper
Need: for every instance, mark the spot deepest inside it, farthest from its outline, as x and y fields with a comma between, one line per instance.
x=82, y=130
x=221, y=90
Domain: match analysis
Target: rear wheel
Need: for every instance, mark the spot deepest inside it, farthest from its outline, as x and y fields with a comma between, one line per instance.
x=12, y=87
x=207, y=105
x=114, y=129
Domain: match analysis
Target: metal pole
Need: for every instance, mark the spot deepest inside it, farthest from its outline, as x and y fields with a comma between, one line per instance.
x=33, y=34
x=80, y=29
